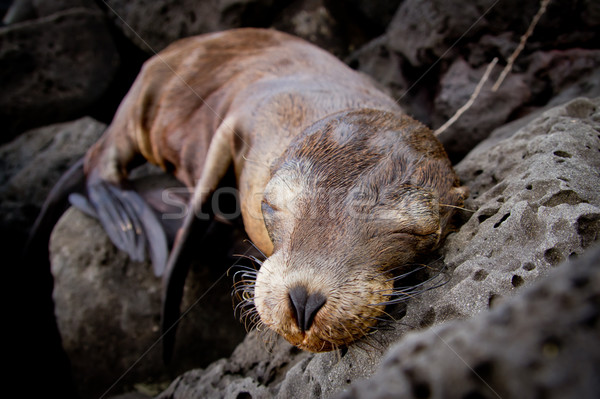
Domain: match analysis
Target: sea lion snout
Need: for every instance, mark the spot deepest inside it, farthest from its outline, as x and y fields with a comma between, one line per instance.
x=319, y=305
x=305, y=306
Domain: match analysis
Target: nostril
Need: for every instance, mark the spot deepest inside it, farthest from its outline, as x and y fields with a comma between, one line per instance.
x=305, y=306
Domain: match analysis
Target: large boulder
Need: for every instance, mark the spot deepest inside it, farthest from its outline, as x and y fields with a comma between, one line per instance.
x=424, y=31
x=533, y=204
x=23, y=10
x=153, y=25
x=434, y=53
x=542, y=343
x=40, y=84
x=30, y=165
x=108, y=309
x=491, y=110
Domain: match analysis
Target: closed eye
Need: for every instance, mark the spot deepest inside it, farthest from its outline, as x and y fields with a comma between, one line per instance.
x=267, y=206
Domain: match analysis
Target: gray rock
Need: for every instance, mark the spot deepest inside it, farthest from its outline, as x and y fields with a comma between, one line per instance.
x=536, y=204
x=489, y=111
x=254, y=363
x=108, y=309
x=424, y=31
x=551, y=73
x=588, y=85
x=40, y=84
x=152, y=25
x=98, y=312
x=542, y=343
x=558, y=75
x=31, y=164
x=23, y=10
x=314, y=22
x=376, y=60
x=535, y=197
x=445, y=71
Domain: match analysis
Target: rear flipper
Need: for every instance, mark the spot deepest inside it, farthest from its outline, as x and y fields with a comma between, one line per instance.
x=133, y=225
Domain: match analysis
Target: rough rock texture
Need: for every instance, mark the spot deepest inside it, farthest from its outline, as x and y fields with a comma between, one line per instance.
x=97, y=315
x=426, y=30
x=313, y=21
x=153, y=25
x=31, y=164
x=542, y=343
x=490, y=110
x=535, y=195
x=536, y=205
x=434, y=52
x=23, y=10
x=39, y=83
x=549, y=73
x=108, y=309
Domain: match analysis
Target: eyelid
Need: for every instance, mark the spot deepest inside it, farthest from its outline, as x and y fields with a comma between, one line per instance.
x=270, y=205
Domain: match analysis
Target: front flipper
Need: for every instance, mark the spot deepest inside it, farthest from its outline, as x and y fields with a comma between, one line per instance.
x=129, y=221
x=186, y=242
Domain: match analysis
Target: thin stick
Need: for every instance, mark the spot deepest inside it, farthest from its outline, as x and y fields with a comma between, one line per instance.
x=471, y=100
x=521, y=46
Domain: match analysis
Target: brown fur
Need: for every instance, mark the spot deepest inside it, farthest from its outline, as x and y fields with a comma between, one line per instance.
x=335, y=183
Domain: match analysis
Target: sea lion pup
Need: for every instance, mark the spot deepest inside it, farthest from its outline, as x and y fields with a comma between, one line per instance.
x=337, y=187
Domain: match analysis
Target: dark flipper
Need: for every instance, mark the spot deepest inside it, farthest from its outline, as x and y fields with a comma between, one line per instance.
x=81, y=202
x=129, y=221
x=183, y=253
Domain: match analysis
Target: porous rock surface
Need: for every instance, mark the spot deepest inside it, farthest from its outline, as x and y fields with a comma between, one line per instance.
x=536, y=204
x=543, y=343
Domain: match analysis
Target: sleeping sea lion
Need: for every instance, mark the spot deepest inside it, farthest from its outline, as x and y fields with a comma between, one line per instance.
x=337, y=186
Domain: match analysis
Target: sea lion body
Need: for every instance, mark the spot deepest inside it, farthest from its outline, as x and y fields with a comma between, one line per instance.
x=241, y=96
x=336, y=185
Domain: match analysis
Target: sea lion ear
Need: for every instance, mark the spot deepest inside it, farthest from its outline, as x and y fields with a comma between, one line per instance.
x=412, y=210
x=459, y=194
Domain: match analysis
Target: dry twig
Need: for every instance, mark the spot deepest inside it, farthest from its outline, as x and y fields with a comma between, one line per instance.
x=521, y=46
x=471, y=100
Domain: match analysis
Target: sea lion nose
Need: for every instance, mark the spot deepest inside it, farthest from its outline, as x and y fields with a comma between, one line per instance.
x=305, y=306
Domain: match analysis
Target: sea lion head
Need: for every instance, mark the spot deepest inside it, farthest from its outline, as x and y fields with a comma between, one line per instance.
x=349, y=204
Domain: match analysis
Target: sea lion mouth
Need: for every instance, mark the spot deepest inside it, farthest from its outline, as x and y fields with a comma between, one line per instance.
x=311, y=310
x=317, y=320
